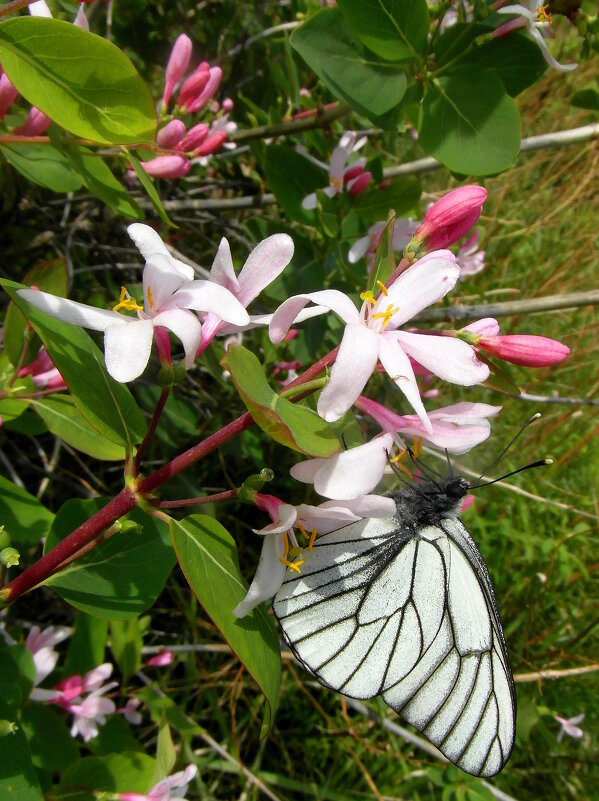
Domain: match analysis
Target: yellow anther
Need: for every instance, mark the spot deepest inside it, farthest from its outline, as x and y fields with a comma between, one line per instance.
x=127, y=302
x=368, y=295
x=292, y=565
x=386, y=315
x=399, y=458
x=543, y=15
x=383, y=288
x=150, y=298
x=302, y=530
x=312, y=538
x=417, y=446
x=337, y=184
x=286, y=542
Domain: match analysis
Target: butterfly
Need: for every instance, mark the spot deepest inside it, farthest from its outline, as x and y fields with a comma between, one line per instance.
x=404, y=608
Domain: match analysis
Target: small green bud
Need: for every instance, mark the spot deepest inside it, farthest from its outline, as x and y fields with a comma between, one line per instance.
x=9, y=557
x=127, y=526
x=7, y=727
x=171, y=374
x=4, y=538
x=254, y=484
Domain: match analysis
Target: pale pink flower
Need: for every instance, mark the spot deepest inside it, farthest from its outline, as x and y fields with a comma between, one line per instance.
x=532, y=15
x=41, y=644
x=176, y=66
x=339, y=174
x=43, y=372
x=366, y=246
x=372, y=333
x=130, y=713
x=279, y=534
x=171, y=788
x=569, y=727
x=91, y=713
x=471, y=260
x=169, y=295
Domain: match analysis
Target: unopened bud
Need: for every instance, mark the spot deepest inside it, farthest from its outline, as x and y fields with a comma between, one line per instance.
x=8, y=727
x=9, y=557
x=449, y=219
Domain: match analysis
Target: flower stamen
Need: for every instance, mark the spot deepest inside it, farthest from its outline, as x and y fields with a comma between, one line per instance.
x=383, y=288
x=543, y=15
x=312, y=538
x=127, y=302
x=150, y=298
x=292, y=565
x=386, y=315
x=397, y=461
x=368, y=295
x=417, y=446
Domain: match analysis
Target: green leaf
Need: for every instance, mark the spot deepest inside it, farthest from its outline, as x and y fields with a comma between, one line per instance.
x=401, y=196
x=208, y=558
x=166, y=755
x=120, y=577
x=384, y=263
x=292, y=425
x=129, y=772
x=150, y=189
x=125, y=644
x=41, y=164
x=108, y=405
x=99, y=179
x=586, y=98
x=469, y=122
x=18, y=778
x=515, y=59
x=370, y=86
x=17, y=674
x=326, y=208
x=81, y=81
x=290, y=177
x=392, y=30
x=65, y=421
x=50, y=741
x=49, y=276
x=456, y=39
x=86, y=646
x=114, y=737
x=24, y=517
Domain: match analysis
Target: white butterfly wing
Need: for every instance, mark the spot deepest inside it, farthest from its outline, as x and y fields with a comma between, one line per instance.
x=410, y=615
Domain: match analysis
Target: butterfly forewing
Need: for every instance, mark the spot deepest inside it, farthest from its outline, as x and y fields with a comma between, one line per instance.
x=409, y=613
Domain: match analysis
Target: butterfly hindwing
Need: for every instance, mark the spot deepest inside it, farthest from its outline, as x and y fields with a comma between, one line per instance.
x=408, y=613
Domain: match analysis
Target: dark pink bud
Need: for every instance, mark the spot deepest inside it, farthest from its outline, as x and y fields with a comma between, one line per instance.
x=8, y=95
x=352, y=172
x=212, y=144
x=177, y=64
x=359, y=184
x=174, y=166
x=194, y=138
x=207, y=93
x=36, y=124
x=170, y=136
x=193, y=86
x=451, y=217
x=528, y=350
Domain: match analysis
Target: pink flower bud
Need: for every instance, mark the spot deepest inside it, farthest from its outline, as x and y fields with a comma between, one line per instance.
x=177, y=65
x=173, y=166
x=161, y=659
x=227, y=104
x=170, y=136
x=530, y=351
x=8, y=95
x=194, y=138
x=487, y=327
x=193, y=86
x=359, y=184
x=450, y=217
x=207, y=93
x=352, y=172
x=36, y=124
x=212, y=144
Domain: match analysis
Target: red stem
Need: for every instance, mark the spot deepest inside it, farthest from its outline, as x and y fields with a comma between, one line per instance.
x=151, y=429
x=227, y=495
x=129, y=497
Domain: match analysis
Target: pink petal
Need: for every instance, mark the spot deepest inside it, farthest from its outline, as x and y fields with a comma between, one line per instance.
x=399, y=369
x=288, y=312
x=306, y=471
x=186, y=327
x=208, y=296
x=127, y=348
x=450, y=359
x=265, y=263
x=355, y=363
x=222, y=271
x=464, y=412
x=269, y=575
x=355, y=472
x=94, y=679
x=286, y=517
x=421, y=285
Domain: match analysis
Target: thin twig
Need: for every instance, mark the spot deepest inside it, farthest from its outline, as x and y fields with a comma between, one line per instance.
x=319, y=120
x=544, y=675
x=285, y=26
x=227, y=495
x=556, y=399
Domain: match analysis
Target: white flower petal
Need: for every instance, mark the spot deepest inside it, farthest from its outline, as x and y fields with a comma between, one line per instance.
x=355, y=363
x=358, y=249
x=69, y=311
x=127, y=349
x=355, y=472
x=265, y=263
x=538, y=37
x=288, y=311
x=400, y=371
x=451, y=359
x=464, y=412
x=208, y=296
x=269, y=575
x=422, y=284
x=331, y=515
x=149, y=243
x=186, y=327
x=309, y=202
x=306, y=471
x=222, y=271
x=287, y=517
x=161, y=280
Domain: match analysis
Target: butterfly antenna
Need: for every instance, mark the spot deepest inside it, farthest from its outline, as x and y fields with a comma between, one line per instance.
x=399, y=475
x=508, y=446
x=428, y=471
x=540, y=463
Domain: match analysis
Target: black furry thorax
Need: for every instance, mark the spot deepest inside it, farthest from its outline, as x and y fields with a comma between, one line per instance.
x=425, y=503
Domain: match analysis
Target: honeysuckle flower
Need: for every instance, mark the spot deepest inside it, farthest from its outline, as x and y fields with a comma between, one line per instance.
x=569, y=726
x=43, y=372
x=8, y=94
x=339, y=174
x=36, y=124
x=74, y=686
x=524, y=349
x=194, y=138
x=470, y=259
x=161, y=659
x=40, y=9
x=129, y=711
x=168, y=167
x=371, y=334
x=169, y=293
x=171, y=788
x=197, y=90
x=91, y=713
x=449, y=219
x=366, y=246
x=279, y=536
x=532, y=15
x=176, y=66
x=265, y=263
x=171, y=134
x=40, y=643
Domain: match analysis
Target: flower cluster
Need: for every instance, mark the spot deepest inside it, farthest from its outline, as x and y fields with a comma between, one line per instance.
x=341, y=176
